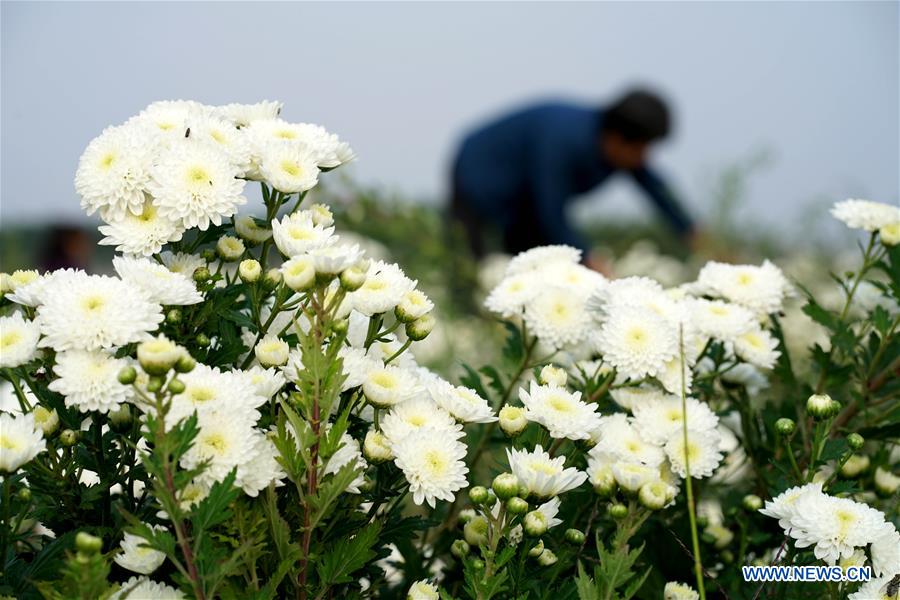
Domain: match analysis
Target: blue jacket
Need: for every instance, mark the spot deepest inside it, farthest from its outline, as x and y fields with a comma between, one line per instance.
x=545, y=155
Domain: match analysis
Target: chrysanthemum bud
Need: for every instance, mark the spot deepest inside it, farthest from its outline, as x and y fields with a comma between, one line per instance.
x=855, y=466
x=185, y=364
x=466, y=515
x=752, y=502
x=229, y=248
x=618, y=511
x=890, y=234
x=551, y=375
x=727, y=556
x=155, y=383
x=68, y=438
x=478, y=564
x=512, y=420
x=321, y=215
x=299, y=273
x=354, y=277
x=272, y=279
x=201, y=274
x=5, y=283
x=419, y=329
x=478, y=495
x=886, y=483
x=47, y=420
x=604, y=482
x=654, y=495
x=272, y=351
x=505, y=485
x=88, y=543
x=535, y=523
x=24, y=494
x=855, y=441
x=785, y=426
x=414, y=305
x=547, y=558
x=459, y=548
x=202, y=340
x=368, y=485
x=475, y=531
x=517, y=506
x=120, y=419
x=158, y=355
x=248, y=230
x=208, y=255
x=250, y=270
x=575, y=537
x=536, y=550
x=340, y=326
x=175, y=387
x=820, y=406
x=174, y=316
x=376, y=448
x=719, y=536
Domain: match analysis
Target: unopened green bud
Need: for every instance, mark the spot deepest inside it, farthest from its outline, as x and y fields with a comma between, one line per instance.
x=654, y=495
x=250, y=270
x=517, y=506
x=478, y=495
x=354, y=277
x=201, y=274
x=88, y=543
x=175, y=387
x=158, y=355
x=459, y=548
x=185, y=364
x=368, y=485
x=120, y=419
x=574, y=537
x=68, y=438
x=174, y=316
x=414, y=305
x=202, y=340
x=419, y=329
x=475, y=531
x=752, y=502
x=127, y=375
x=535, y=523
x=604, y=482
x=24, y=495
x=547, y=558
x=478, y=564
x=727, y=556
x=855, y=441
x=505, y=485
x=821, y=406
x=618, y=511
x=340, y=326
x=537, y=549
x=272, y=279
x=785, y=426
x=155, y=383
x=466, y=515
x=208, y=255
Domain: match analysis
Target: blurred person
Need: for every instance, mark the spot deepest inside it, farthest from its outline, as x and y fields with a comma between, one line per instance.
x=66, y=247
x=518, y=173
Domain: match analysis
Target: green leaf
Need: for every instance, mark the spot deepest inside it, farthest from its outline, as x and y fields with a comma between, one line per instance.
x=329, y=491
x=585, y=585
x=348, y=555
x=214, y=508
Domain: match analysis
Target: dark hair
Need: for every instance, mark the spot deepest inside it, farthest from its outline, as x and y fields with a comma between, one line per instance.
x=638, y=116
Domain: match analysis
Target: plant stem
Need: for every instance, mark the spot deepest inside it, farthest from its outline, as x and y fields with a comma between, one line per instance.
x=695, y=541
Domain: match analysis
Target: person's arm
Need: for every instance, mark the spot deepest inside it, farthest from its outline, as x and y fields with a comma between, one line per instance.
x=665, y=201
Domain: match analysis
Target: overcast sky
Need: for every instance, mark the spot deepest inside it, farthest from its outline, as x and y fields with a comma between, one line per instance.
x=815, y=83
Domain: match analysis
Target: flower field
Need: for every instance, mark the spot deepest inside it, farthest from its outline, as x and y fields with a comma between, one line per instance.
x=260, y=403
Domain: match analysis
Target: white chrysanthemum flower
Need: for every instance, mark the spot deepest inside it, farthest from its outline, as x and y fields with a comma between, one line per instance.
x=629, y=397
x=657, y=420
x=415, y=414
x=297, y=234
x=137, y=556
x=89, y=380
x=758, y=347
x=676, y=376
x=874, y=589
x=157, y=282
x=346, y=454
x=248, y=229
x=19, y=278
x=18, y=340
x=262, y=466
x=463, y=403
x=207, y=389
x=701, y=453
x=574, y=276
x=541, y=474
x=141, y=233
x=414, y=305
x=224, y=136
x=334, y=258
x=422, y=590
x=560, y=411
x=91, y=312
x=722, y=320
x=433, y=464
x=784, y=506
x=835, y=526
x=617, y=437
x=356, y=365
x=169, y=118
x=114, y=172
x=196, y=183
x=386, y=386
x=289, y=167
x=27, y=287
x=146, y=589
x=182, y=263
x=225, y=440
x=267, y=382
x=243, y=115
x=550, y=509
x=637, y=342
x=628, y=291
x=543, y=257
x=633, y=476
x=679, y=591
x=271, y=351
x=761, y=289
x=865, y=214
x=886, y=550
x=513, y=294
x=557, y=317
x=383, y=290
x=21, y=440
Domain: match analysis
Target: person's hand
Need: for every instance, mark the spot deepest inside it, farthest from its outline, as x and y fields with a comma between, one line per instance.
x=596, y=262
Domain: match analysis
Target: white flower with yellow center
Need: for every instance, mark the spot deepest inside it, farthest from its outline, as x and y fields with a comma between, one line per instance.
x=413, y=305
x=676, y=376
x=243, y=115
x=433, y=464
x=722, y=320
x=701, y=453
x=886, y=550
x=21, y=440
x=422, y=590
x=560, y=411
x=557, y=317
x=223, y=135
x=137, y=556
x=262, y=466
x=637, y=342
x=633, y=476
x=142, y=232
x=658, y=419
x=271, y=351
x=266, y=382
x=874, y=589
x=91, y=312
x=541, y=474
x=383, y=290
x=617, y=437
x=114, y=172
x=182, y=263
x=761, y=289
x=195, y=183
x=679, y=591
x=388, y=385
x=543, y=257
x=574, y=276
x=146, y=589
x=225, y=441
x=289, y=167
x=464, y=404
x=865, y=214
x=297, y=234
x=835, y=526
x=248, y=229
x=784, y=506
x=158, y=283
x=334, y=258
x=348, y=453
x=415, y=414
x=207, y=389
x=512, y=294
x=628, y=291
x=629, y=397
x=18, y=340
x=758, y=347
x=169, y=118
x=88, y=380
